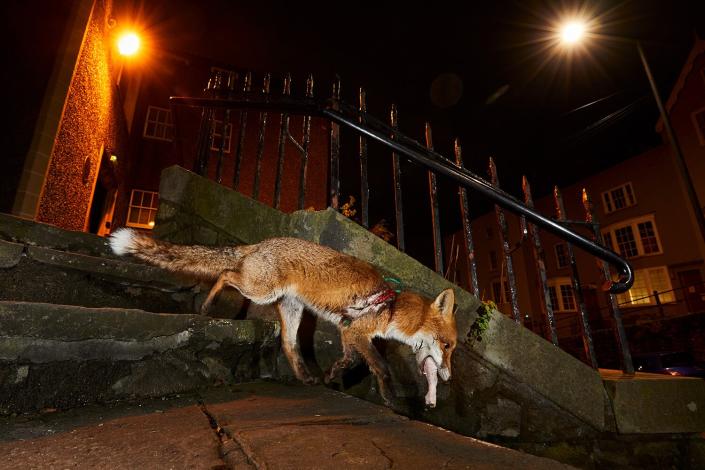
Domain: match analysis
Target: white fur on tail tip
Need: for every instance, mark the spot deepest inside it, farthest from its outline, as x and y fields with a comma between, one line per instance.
x=121, y=241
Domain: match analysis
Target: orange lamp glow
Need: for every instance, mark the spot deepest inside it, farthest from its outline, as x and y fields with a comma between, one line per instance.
x=128, y=44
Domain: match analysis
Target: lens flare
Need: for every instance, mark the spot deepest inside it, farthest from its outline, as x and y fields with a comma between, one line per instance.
x=128, y=44
x=572, y=32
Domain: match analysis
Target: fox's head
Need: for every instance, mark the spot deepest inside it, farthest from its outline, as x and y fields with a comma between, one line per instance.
x=440, y=327
x=429, y=328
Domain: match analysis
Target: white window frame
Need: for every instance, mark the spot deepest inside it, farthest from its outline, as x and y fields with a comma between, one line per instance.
x=558, y=258
x=608, y=201
x=643, y=281
x=215, y=143
x=151, y=208
x=555, y=283
x=693, y=116
x=610, y=230
x=164, y=128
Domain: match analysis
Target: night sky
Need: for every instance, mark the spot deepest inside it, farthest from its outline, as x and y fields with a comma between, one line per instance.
x=485, y=72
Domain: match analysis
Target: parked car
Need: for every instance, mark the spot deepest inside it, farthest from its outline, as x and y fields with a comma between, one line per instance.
x=678, y=363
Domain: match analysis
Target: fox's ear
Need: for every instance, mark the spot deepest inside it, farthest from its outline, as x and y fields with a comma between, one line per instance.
x=445, y=302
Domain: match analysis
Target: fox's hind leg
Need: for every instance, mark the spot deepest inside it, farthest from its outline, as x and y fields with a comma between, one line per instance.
x=291, y=311
x=227, y=278
x=252, y=289
x=341, y=364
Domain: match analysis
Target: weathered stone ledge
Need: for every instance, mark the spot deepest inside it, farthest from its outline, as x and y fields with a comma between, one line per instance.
x=58, y=356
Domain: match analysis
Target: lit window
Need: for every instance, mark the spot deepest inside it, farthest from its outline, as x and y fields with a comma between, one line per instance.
x=217, y=140
x=567, y=297
x=699, y=123
x=646, y=281
x=562, y=255
x=634, y=237
x=560, y=291
x=143, y=209
x=158, y=124
x=618, y=198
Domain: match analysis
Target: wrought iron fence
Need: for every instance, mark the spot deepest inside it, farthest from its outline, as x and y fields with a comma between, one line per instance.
x=232, y=98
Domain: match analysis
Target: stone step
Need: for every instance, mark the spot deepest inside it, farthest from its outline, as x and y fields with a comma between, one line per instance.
x=45, y=264
x=665, y=404
x=28, y=232
x=60, y=356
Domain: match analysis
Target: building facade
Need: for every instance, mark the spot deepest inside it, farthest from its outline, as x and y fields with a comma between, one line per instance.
x=106, y=130
x=643, y=214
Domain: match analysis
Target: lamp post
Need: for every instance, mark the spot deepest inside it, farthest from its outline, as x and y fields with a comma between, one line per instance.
x=573, y=32
x=677, y=152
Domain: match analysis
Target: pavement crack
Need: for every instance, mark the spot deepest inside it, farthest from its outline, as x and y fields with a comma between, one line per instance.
x=234, y=453
x=390, y=462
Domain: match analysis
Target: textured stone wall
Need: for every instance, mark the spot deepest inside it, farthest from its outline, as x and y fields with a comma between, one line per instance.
x=92, y=120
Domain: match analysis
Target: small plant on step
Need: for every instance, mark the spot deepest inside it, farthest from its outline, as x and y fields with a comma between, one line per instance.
x=482, y=322
x=348, y=209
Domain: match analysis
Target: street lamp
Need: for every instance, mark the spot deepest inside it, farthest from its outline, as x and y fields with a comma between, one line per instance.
x=128, y=45
x=571, y=33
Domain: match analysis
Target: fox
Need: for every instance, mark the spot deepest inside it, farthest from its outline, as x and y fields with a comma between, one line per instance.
x=296, y=274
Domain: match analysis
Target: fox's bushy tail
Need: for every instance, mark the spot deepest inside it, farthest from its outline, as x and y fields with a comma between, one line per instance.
x=200, y=261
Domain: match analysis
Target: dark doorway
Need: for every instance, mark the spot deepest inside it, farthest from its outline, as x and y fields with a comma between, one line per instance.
x=104, y=196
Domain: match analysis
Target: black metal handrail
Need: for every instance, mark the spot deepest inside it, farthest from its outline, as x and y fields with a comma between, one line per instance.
x=371, y=127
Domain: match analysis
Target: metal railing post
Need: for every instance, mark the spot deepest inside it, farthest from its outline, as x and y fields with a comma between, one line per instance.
x=506, y=248
x=305, y=145
x=396, y=173
x=364, y=188
x=435, y=213
x=205, y=132
x=540, y=260
x=620, y=333
x=247, y=86
x=283, y=136
x=230, y=87
x=467, y=229
x=260, y=142
x=334, y=183
x=577, y=289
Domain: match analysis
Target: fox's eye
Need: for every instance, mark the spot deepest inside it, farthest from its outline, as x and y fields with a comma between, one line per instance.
x=446, y=346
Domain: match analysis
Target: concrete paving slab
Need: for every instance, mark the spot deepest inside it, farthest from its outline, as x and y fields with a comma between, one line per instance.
x=255, y=425
x=293, y=427
x=176, y=438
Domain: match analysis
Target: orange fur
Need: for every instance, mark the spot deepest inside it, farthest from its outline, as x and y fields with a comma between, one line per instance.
x=296, y=274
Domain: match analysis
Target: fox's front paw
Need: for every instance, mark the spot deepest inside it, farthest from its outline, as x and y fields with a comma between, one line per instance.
x=310, y=380
x=331, y=375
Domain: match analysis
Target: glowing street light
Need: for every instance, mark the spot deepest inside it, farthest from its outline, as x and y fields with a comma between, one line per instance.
x=572, y=32
x=128, y=44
